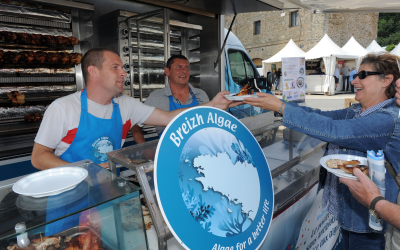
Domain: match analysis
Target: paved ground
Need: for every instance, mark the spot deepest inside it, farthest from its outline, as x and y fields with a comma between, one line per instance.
x=327, y=102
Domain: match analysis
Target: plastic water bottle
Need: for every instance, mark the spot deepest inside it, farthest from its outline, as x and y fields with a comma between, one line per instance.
x=377, y=171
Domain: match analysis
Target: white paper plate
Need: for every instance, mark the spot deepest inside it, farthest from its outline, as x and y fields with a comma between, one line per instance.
x=340, y=172
x=50, y=182
x=231, y=97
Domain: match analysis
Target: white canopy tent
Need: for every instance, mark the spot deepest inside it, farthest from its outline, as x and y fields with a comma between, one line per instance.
x=329, y=51
x=353, y=47
x=290, y=50
x=396, y=50
x=375, y=47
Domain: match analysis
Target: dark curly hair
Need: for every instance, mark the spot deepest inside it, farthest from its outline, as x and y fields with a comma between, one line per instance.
x=387, y=64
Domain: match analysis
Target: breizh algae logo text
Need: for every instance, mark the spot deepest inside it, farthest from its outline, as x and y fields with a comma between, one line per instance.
x=213, y=183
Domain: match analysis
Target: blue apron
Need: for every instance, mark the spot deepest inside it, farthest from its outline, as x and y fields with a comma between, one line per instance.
x=173, y=105
x=94, y=138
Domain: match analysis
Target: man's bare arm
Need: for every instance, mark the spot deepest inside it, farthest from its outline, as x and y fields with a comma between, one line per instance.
x=137, y=134
x=365, y=190
x=44, y=158
x=162, y=118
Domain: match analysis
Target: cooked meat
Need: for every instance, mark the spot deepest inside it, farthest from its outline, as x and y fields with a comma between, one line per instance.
x=76, y=58
x=73, y=41
x=16, y=247
x=24, y=38
x=336, y=163
x=245, y=91
x=73, y=244
x=37, y=39
x=44, y=242
x=85, y=240
x=33, y=117
x=349, y=170
x=49, y=40
x=65, y=58
x=39, y=57
x=16, y=98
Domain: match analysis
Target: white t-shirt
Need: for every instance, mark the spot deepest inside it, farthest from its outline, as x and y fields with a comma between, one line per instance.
x=61, y=119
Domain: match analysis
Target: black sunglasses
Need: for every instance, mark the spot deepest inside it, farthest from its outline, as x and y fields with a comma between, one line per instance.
x=363, y=74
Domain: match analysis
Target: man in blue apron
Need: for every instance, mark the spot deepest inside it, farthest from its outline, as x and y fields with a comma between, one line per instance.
x=178, y=92
x=94, y=121
x=90, y=123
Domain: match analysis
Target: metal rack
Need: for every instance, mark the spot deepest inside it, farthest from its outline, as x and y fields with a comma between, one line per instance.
x=145, y=42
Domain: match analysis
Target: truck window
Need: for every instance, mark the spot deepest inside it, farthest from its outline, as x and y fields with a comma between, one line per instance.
x=241, y=67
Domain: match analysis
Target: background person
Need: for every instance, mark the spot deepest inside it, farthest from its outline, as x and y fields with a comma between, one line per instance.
x=336, y=75
x=345, y=72
x=372, y=124
x=178, y=93
x=352, y=73
x=88, y=124
x=278, y=74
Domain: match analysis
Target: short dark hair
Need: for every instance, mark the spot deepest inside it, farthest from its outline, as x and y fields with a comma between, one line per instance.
x=387, y=64
x=172, y=58
x=94, y=57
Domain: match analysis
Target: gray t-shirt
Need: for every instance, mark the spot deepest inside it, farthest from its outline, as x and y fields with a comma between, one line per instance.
x=160, y=99
x=345, y=71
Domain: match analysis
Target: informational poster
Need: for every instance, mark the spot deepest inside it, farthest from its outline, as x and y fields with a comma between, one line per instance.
x=320, y=230
x=294, y=79
x=213, y=183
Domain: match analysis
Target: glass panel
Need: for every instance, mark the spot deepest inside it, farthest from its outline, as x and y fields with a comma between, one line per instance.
x=249, y=68
x=257, y=27
x=117, y=224
x=294, y=16
x=280, y=145
x=237, y=67
x=99, y=187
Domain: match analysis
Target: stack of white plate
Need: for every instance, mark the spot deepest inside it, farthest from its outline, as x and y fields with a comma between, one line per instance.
x=340, y=172
x=50, y=182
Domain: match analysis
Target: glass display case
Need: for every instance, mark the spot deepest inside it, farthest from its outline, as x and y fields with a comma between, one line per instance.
x=102, y=212
x=140, y=158
x=292, y=157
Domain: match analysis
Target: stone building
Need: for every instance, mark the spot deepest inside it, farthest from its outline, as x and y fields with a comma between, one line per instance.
x=264, y=34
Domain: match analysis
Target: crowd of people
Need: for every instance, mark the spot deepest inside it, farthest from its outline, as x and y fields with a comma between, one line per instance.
x=67, y=131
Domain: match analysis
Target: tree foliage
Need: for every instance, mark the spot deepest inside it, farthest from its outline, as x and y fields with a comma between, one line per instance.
x=390, y=47
x=388, y=29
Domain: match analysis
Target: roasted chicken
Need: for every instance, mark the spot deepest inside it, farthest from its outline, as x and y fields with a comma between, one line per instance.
x=39, y=57
x=33, y=117
x=37, y=39
x=16, y=98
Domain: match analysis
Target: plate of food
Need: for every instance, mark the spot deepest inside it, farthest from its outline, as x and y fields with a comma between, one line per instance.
x=243, y=93
x=343, y=165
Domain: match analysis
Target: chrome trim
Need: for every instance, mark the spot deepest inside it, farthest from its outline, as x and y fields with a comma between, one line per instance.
x=296, y=160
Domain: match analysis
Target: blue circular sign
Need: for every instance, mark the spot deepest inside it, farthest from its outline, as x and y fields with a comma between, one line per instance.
x=213, y=183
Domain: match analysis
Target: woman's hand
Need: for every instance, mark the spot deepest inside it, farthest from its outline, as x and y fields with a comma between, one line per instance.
x=265, y=101
x=219, y=101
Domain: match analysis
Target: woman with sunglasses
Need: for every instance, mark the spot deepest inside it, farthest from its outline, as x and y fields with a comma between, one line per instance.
x=372, y=124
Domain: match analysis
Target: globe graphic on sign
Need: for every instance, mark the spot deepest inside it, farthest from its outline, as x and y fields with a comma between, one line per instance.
x=219, y=182
x=101, y=148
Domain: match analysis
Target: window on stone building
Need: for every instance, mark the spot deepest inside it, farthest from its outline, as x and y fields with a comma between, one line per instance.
x=241, y=67
x=294, y=19
x=257, y=27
